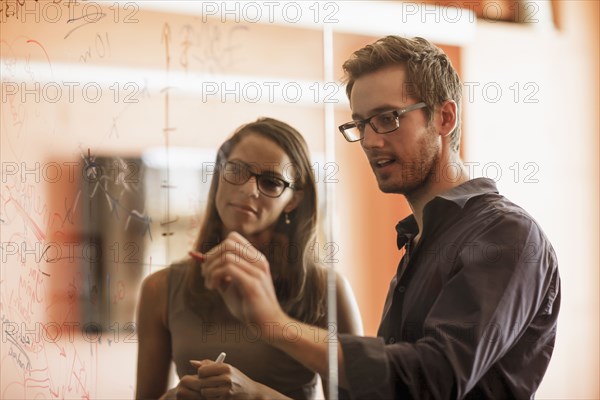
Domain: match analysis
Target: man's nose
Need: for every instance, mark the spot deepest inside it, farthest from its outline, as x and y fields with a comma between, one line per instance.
x=371, y=139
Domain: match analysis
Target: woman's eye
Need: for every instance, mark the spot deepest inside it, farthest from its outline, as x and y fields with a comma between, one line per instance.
x=271, y=182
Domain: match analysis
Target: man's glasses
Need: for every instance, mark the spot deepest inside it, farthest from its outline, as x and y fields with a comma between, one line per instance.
x=385, y=122
x=238, y=173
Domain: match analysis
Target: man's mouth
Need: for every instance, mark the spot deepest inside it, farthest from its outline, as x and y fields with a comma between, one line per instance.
x=383, y=162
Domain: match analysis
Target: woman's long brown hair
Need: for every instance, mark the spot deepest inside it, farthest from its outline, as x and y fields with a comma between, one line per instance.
x=300, y=282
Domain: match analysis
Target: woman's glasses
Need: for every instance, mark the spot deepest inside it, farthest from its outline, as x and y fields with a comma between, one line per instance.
x=238, y=173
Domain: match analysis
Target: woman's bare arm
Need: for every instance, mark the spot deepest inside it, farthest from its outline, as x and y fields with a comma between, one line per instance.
x=154, y=342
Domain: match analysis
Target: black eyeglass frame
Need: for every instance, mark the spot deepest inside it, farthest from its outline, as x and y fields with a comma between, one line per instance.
x=258, y=177
x=356, y=124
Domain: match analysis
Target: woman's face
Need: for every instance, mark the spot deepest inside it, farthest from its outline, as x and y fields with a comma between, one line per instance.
x=243, y=208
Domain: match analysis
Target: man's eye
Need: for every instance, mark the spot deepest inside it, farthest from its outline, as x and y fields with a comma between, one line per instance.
x=387, y=118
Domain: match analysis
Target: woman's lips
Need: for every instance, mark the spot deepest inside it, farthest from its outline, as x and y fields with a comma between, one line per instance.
x=244, y=207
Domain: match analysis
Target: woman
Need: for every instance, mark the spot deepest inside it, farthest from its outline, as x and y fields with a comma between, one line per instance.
x=264, y=190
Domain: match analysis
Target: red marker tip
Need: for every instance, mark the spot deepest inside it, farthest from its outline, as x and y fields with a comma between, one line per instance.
x=197, y=255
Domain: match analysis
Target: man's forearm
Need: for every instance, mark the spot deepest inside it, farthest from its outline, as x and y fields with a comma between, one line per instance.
x=307, y=344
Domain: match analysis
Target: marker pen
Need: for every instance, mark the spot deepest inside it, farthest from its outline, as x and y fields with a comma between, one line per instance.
x=197, y=255
x=219, y=360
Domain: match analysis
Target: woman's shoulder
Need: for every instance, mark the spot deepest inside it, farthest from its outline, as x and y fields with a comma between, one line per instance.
x=153, y=297
x=156, y=286
x=158, y=282
x=322, y=271
x=348, y=313
x=156, y=279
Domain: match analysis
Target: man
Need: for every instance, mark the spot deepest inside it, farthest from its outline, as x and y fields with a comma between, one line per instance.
x=472, y=309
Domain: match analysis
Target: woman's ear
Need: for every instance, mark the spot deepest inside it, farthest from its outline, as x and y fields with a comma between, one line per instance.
x=294, y=201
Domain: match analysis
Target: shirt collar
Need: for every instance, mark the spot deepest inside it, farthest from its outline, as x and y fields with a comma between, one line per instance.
x=459, y=195
x=406, y=229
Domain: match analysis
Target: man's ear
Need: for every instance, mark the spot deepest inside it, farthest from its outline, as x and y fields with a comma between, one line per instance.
x=448, y=117
x=294, y=201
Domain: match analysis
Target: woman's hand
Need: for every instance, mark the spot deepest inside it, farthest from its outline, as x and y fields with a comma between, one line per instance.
x=188, y=388
x=224, y=381
x=242, y=276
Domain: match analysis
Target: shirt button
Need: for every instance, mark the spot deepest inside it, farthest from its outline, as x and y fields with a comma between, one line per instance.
x=392, y=340
x=401, y=289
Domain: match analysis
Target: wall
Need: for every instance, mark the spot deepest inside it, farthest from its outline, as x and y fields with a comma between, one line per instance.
x=543, y=140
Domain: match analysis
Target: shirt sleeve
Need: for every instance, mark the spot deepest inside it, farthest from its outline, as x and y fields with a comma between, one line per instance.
x=366, y=367
x=502, y=280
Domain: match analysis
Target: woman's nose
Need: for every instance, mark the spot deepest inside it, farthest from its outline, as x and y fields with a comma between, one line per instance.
x=251, y=187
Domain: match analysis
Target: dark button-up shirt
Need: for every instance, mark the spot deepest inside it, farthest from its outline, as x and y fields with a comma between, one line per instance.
x=472, y=310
